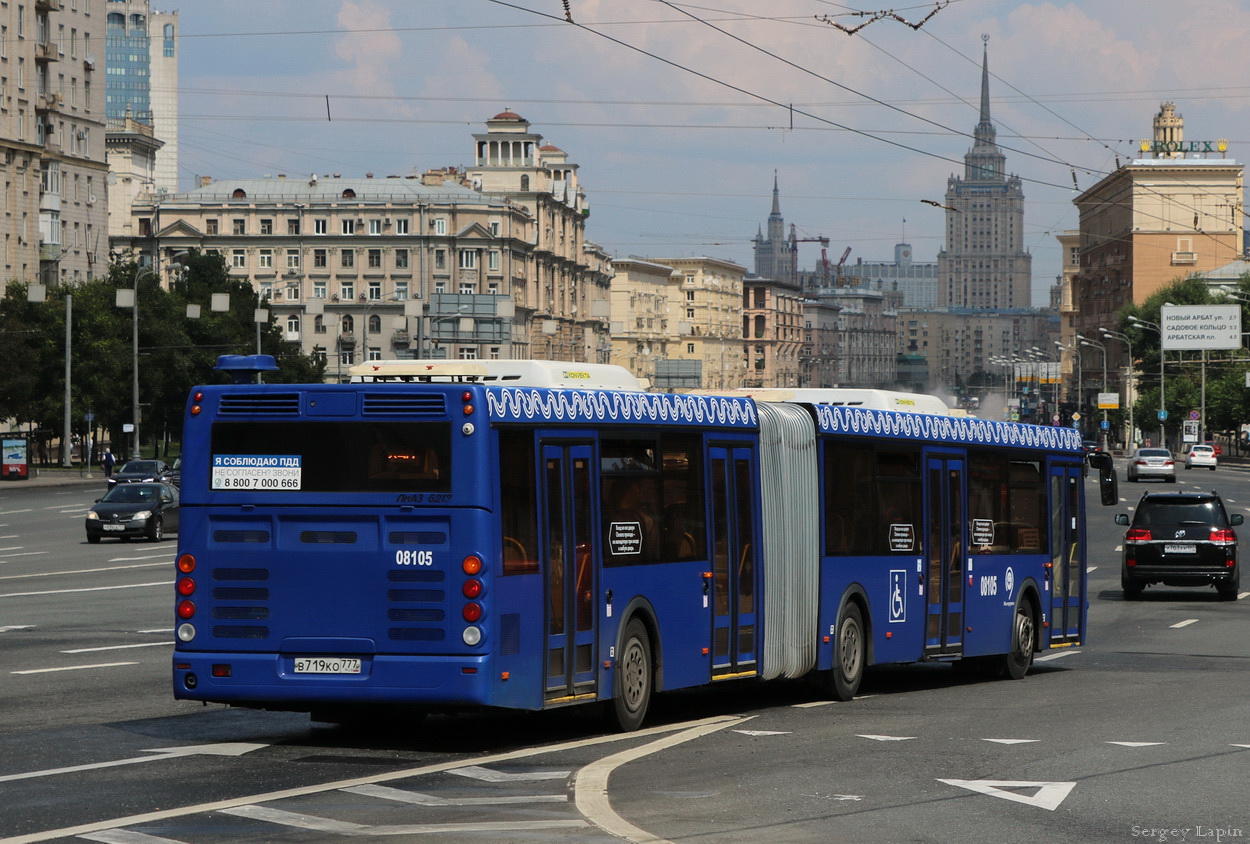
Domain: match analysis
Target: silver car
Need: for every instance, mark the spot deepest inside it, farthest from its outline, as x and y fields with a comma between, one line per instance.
x=1152, y=463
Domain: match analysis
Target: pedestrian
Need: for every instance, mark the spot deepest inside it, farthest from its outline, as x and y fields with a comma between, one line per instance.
x=108, y=461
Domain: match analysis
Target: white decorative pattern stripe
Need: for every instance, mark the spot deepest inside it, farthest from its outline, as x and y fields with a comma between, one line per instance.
x=537, y=404
x=967, y=430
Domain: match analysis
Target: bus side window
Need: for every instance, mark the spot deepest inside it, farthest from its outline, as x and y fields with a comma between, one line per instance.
x=518, y=494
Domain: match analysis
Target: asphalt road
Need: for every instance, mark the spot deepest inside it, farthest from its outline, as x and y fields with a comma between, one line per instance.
x=1143, y=734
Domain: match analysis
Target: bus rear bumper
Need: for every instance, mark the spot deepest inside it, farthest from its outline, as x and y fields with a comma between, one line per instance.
x=271, y=681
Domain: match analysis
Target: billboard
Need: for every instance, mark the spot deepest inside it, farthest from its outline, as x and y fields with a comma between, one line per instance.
x=1200, y=327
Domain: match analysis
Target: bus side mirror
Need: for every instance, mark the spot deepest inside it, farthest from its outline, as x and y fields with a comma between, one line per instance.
x=1108, y=484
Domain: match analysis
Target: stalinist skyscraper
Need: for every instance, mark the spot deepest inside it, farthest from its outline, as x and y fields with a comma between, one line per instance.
x=984, y=265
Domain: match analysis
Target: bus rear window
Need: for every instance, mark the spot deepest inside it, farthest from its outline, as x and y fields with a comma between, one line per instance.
x=331, y=456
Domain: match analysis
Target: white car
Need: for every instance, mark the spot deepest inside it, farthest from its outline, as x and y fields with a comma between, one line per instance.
x=1200, y=455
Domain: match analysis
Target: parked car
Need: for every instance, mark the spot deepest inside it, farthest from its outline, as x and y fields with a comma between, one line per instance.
x=1152, y=463
x=138, y=471
x=135, y=509
x=173, y=472
x=1180, y=539
x=1202, y=456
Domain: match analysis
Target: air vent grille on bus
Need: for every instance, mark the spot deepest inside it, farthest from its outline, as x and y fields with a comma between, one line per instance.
x=423, y=609
x=286, y=404
x=405, y=404
x=241, y=536
x=248, y=611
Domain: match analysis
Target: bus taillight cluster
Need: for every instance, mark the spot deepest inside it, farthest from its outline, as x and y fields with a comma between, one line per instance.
x=186, y=589
x=472, y=589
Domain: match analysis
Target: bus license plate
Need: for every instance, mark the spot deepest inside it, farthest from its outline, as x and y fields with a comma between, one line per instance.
x=327, y=665
x=1180, y=548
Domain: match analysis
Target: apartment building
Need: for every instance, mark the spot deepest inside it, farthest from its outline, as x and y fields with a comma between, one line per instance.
x=447, y=264
x=54, y=216
x=772, y=332
x=705, y=305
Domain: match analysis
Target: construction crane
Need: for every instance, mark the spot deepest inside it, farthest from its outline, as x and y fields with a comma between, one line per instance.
x=841, y=261
x=824, y=255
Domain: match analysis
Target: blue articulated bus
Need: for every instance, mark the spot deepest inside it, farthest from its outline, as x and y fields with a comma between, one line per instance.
x=529, y=535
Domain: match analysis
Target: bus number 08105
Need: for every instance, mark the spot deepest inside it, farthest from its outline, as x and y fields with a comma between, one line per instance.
x=414, y=558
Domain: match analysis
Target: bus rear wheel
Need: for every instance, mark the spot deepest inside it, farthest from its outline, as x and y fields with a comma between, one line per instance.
x=849, y=653
x=1023, y=637
x=631, y=694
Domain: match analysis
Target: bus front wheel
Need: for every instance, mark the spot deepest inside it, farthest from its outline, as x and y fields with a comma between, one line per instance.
x=632, y=686
x=849, y=653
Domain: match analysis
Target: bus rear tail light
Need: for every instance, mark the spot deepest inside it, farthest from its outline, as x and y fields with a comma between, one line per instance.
x=221, y=670
x=186, y=563
x=471, y=565
x=186, y=609
x=186, y=586
x=472, y=612
x=472, y=589
x=196, y=398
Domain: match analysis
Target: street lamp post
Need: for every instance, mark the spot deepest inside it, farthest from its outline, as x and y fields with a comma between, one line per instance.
x=130, y=299
x=1128, y=382
x=39, y=293
x=1163, y=413
x=1085, y=341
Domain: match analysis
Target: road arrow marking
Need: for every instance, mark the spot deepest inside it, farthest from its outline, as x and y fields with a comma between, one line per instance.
x=889, y=738
x=9, y=628
x=1137, y=743
x=1184, y=623
x=1048, y=795
x=228, y=749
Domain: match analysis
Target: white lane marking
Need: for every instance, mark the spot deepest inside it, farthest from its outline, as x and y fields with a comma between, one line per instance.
x=6, y=557
x=13, y=548
x=158, y=630
x=322, y=788
x=398, y=795
x=164, y=555
x=487, y=775
x=13, y=512
x=1136, y=743
x=71, y=668
x=300, y=820
x=9, y=628
x=813, y=704
x=762, y=732
x=233, y=748
x=889, y=738
x=118, y=647
x=590, y=789
x=127, y=836
x=1056, y=655
x=1011, y=740
x=11, y=535
x=1184, y=623
x=80, y=571
x=1048, y=795
x=90, y=589
x=1094, y=568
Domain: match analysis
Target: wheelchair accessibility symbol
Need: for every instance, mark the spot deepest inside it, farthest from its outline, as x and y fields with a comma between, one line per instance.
x=898, y=595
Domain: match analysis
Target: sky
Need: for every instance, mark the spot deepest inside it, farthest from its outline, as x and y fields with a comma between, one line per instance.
x=680, y=115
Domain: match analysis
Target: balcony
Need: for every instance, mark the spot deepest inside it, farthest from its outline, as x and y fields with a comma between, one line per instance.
x=48, y=102
x=1184, y=257
x=46, y=51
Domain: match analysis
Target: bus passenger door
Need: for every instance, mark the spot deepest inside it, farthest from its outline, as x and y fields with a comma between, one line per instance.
x=945, y=550
x=1067, y=573
x=569, y=572
x=734, y=556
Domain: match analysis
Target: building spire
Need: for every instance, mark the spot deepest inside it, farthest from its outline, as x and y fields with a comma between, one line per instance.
x=985, y=133
x=776, y=197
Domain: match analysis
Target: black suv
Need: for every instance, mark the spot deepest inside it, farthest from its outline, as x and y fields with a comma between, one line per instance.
x=1180, y=539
